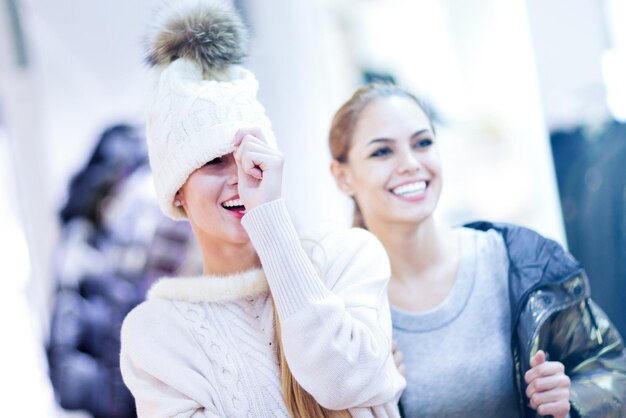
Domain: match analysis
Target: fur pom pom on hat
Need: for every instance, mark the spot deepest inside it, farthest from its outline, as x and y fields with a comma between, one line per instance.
x=202, y=97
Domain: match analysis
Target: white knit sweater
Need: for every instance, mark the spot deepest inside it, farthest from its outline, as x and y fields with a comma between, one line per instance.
x=206, y=346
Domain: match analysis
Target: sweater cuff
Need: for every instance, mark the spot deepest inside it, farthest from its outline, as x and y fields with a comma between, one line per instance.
x=293, y=280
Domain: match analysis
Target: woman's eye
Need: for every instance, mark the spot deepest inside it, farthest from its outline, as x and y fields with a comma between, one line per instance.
x=423, y=143
x=381, y=152
x=214, y=161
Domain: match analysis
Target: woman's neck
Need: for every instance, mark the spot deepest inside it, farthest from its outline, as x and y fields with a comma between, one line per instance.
x=413, y=250
x=223, y=259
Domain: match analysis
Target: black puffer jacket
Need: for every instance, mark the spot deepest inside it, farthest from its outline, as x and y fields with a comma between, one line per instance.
x=551, y=310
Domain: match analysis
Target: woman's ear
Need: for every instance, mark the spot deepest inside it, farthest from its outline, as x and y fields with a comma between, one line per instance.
x=343, y=177
x=178, y=201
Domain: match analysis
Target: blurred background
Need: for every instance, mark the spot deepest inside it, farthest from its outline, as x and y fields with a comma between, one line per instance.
x=529, y=98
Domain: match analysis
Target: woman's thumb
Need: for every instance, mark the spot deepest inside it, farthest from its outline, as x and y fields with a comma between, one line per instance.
x=538, y=358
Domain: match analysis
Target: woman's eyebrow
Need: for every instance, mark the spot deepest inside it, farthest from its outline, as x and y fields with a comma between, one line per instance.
x=420, y=132
x=387, y=140
x=377, y=140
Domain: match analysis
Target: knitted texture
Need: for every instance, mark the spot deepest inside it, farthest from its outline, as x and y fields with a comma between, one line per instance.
x=202, y=96
x=238, y=339
x=192, y=121
x=210, y=349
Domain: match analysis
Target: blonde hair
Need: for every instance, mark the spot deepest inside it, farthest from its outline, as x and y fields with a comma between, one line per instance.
x=346, y=118
x=299, y=402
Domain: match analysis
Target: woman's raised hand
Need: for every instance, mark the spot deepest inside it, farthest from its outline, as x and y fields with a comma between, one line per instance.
x=259, y=168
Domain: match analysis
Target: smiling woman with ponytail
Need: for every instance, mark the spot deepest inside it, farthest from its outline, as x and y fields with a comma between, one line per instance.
x=264, y=331
x=493, y=320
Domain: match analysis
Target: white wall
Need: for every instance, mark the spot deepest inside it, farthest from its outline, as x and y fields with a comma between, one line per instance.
x=298, y=56
x=569, y=40
x=474, y=62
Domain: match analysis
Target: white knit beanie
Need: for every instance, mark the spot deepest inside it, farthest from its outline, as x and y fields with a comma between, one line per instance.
x=202, y=96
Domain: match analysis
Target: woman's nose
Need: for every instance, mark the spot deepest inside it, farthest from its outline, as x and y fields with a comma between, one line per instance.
x=233, y=178
x=409, y=163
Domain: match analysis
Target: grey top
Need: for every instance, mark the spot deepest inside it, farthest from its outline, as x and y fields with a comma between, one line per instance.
x=457, y=356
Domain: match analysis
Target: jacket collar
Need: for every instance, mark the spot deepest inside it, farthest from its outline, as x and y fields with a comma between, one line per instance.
x=535, y=261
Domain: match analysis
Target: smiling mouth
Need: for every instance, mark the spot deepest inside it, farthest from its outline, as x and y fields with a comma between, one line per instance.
x=410, y=189
x=235, y=205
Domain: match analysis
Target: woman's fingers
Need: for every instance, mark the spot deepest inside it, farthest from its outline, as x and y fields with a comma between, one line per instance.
x=548, y=386
x=398, y=357
x=544, y=384
x=547, y=368
x=250, y=143
x=255, y=156
x=558, y=409
x=259, y=168
x=257, y=163
x=538, y=358
x=253, y=131
x=553, y=395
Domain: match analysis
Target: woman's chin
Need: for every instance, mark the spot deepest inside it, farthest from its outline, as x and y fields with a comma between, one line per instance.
x=238, y=235
x=413, y=217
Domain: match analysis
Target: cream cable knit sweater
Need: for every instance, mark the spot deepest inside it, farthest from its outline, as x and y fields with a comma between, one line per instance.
x=206, y=347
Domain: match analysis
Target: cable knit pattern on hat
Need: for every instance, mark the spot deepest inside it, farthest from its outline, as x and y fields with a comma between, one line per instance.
x=202, y=95
x=192, y=121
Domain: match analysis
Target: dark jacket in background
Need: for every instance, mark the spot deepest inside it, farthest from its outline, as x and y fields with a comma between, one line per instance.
x=114, y=243
x=551, y=310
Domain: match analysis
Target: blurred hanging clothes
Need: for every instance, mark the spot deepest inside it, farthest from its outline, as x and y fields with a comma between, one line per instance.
x=590, y=163
x=111, y=250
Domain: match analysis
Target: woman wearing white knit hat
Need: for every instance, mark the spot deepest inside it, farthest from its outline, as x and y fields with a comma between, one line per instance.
x=264, y=332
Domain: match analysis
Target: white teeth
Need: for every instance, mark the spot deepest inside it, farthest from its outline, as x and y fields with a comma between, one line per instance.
x=232, y=203
x=410, y=189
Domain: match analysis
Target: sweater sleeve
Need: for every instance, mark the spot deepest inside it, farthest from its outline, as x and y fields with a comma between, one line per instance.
x=336, y=330
x=156, y=361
